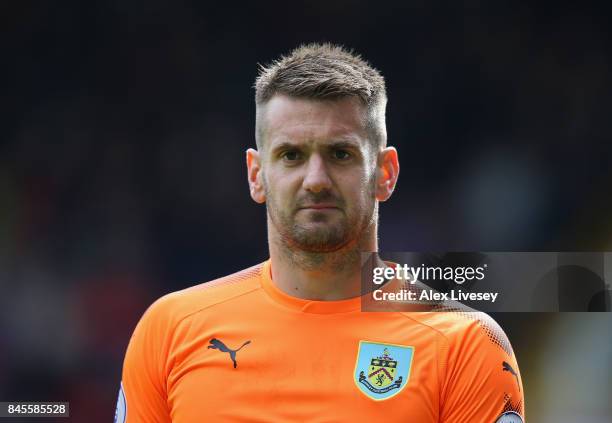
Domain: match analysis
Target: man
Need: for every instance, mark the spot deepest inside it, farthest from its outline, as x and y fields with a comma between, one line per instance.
x=286, y=340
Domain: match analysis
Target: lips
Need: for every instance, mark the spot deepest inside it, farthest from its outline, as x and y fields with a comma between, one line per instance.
x=319, y=206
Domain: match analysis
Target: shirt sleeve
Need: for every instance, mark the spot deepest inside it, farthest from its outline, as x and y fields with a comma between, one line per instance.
x=144, y=370
x=482, y=383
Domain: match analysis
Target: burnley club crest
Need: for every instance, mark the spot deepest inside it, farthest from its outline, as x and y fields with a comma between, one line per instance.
x=382, y=370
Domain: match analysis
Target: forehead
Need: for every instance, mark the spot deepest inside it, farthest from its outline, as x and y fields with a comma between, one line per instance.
x=285, y=118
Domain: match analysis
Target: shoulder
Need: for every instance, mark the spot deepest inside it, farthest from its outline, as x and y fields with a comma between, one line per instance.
x=476, y=361
x=459, y=325
x=176, y=306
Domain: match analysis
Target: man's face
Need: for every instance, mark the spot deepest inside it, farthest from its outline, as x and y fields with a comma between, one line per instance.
x=318, y=171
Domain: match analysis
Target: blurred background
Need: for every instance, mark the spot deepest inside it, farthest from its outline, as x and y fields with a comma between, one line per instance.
x=122, y=172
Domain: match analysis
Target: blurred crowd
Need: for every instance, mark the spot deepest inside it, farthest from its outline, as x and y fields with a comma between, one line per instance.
x=122, y=167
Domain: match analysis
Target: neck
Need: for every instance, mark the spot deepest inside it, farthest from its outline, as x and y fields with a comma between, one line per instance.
x=320, y=276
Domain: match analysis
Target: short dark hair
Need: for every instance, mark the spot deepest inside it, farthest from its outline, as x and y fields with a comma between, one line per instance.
x=326, y=72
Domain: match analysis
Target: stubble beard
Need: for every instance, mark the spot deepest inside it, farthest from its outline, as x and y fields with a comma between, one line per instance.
x=334, y=247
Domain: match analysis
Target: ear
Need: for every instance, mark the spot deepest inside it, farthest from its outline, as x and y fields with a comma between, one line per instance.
x=387, y=173
x=254, y=175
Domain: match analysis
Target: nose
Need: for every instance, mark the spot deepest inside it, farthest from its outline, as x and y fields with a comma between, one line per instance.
x=316, y=179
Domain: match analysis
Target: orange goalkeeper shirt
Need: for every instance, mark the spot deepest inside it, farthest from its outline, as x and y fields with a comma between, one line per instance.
x=239, y=349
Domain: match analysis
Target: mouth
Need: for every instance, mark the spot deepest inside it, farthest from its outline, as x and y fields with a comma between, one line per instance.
x=321, y=207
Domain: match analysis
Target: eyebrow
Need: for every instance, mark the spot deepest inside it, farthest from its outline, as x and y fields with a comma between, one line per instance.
x=341, y=143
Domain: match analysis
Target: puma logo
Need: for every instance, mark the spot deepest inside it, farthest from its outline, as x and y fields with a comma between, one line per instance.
x=218, y=345
x=508, y=368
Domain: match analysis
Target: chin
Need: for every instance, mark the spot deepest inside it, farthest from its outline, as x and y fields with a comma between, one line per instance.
x=320, y=244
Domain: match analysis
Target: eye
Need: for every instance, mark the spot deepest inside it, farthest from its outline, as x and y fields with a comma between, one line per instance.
x=341, y=154
x=291, y=155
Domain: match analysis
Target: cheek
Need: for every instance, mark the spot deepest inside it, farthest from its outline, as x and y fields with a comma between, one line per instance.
x=367, y=192
x=280, y=188
x=357, y=191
